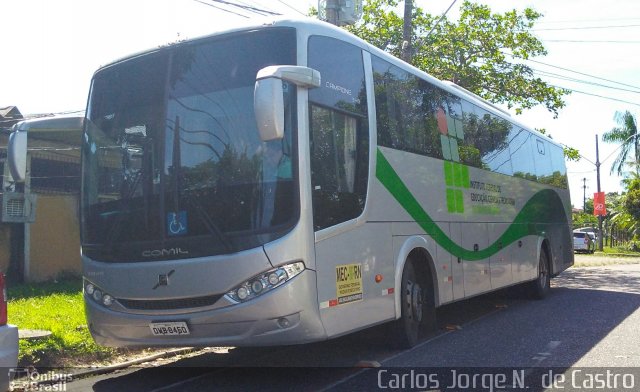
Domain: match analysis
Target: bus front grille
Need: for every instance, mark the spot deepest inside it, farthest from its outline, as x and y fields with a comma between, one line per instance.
x=169, y=304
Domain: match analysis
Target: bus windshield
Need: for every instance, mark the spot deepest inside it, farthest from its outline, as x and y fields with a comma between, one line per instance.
x=173, y=165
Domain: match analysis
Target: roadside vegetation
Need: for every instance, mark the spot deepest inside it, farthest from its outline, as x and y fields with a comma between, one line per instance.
x=55, y=306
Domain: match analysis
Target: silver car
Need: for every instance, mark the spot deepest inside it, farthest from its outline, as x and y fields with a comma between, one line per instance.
x=583, y=242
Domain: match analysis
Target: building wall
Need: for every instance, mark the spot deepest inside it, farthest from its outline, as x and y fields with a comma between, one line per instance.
x=55, y=238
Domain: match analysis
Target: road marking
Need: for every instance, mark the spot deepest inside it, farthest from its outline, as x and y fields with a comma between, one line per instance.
x=416, y=347
x=188, y=380
x=542, y=356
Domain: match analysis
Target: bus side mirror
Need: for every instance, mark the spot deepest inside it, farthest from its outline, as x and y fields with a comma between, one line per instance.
x=268, y=97
x=17, y=155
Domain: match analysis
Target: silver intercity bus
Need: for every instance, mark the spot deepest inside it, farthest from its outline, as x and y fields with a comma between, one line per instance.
x=288, y=183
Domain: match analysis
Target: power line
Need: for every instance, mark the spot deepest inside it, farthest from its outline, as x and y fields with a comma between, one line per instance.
x=296, y=10
x=596, y=95
x=221, y=9
x=246, y=7
x=440, y=20
x=572, y=71
x=570, y=79
x=586, y=20
x=587, y=27
x=591, y=41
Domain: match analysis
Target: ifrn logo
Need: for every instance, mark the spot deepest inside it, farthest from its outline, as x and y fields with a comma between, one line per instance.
x=30, y=379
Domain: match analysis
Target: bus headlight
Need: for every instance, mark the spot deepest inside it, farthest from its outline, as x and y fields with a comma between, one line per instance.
x=97, y=294
x=264, y=282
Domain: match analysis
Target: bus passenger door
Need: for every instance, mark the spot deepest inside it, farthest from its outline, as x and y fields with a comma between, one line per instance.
x=500, y=262
x=349, y=251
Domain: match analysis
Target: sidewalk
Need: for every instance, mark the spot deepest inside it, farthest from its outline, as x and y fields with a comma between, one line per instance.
x=586, y=260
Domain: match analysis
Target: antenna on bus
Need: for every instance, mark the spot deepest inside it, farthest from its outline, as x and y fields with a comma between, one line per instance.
x=340, y=12
x=476, y=96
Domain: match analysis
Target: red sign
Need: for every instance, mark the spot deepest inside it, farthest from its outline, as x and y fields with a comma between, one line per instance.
x=598, y=204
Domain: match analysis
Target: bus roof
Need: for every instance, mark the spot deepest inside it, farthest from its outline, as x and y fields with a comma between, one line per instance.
x=312, y=26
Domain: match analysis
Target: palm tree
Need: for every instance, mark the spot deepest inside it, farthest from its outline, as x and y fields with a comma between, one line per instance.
x=624, y=134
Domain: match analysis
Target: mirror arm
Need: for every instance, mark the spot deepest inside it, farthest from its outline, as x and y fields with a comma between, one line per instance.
x=298, y=75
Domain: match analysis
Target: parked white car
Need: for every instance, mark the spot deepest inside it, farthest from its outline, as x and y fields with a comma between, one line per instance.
x=8, y=340
x=583, y=242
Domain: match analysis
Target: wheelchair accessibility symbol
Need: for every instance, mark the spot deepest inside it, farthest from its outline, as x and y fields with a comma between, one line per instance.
x=177, y=223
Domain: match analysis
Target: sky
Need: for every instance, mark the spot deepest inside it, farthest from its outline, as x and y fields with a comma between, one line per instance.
x=52, y=48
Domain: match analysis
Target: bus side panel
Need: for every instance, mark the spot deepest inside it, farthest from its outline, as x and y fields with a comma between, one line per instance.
x=500, y=262
x=402, y=231
x=477, y=273
x=525, y=259
x=457, y=266
x=348, y=301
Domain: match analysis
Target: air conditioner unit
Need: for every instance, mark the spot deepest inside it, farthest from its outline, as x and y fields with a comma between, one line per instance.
x=18, y=207
x=349, y=11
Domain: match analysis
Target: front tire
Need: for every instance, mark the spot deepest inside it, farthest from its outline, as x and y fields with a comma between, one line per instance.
x=417, y=308
x=539, y=288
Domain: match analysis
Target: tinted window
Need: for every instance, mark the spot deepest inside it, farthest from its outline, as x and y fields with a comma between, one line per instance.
x=520, y=146
x=406, y=110
x=559, y=178
x=544, y=170
x=342, y=82
x=172, y=155
x=339, y=133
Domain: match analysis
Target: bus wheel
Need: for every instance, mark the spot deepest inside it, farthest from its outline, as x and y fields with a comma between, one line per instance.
x=418, y=310
x=539, y=288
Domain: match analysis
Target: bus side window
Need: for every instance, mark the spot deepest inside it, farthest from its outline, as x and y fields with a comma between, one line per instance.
x=339, y=134
x=559, y=176
x=520, y=147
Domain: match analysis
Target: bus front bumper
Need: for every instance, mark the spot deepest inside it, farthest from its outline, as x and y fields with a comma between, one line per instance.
x=286, y=315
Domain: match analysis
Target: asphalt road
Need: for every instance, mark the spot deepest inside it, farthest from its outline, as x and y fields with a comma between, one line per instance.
x=589, y=321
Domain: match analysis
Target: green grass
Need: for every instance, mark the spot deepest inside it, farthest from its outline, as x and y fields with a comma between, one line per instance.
x=618, y=251
x=57, y=307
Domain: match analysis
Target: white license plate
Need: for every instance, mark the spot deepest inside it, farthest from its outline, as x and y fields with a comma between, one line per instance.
x=169, y=329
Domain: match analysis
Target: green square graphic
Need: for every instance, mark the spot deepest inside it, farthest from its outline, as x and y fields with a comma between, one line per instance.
x=459, y=195
x=466, y=183
x=451, y=200
x=448, y=173
x=457, y=175
x=455, y=155
x=446, y=150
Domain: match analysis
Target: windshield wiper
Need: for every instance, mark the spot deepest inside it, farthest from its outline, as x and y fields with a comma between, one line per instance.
x=209, y=223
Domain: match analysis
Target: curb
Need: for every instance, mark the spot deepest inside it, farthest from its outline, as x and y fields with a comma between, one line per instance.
x=124, y=365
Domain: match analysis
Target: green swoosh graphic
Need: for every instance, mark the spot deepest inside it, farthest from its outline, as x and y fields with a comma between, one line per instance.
x=541, y=210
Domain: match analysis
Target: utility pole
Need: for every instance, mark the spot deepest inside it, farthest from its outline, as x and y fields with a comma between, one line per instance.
x=332, y=11
x=584, y=195
x=600, y=217
x=406, y=31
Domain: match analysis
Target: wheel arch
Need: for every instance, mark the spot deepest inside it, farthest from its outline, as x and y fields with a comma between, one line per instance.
x=544, y=245
x=415, y=247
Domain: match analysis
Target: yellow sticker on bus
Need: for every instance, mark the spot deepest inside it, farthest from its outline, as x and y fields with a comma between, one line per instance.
x=348, y=283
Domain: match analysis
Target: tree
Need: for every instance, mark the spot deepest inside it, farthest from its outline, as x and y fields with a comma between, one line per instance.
x=631, y=200
x=481, y=52
x=626, y=134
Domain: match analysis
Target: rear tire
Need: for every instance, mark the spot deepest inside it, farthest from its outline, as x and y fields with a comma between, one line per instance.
x=539, y=288
x=418, y=315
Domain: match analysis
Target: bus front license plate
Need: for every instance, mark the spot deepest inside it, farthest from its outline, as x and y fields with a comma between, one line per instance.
x=169, y=329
